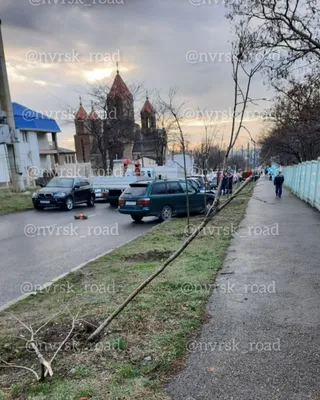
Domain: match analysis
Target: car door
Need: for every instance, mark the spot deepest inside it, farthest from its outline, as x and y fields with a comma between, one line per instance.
x=194, y=202
x=85, y=189
x=158, y=196
x=77, y=190
x=177, y=196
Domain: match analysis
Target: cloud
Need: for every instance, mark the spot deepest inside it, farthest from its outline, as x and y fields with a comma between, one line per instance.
x=153, y=39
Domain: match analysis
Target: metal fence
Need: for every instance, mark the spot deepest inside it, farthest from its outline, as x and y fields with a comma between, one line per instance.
x=304, y=181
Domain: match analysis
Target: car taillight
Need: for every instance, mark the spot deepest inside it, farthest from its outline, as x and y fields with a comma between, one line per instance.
x=143, y=202
x=120, y=202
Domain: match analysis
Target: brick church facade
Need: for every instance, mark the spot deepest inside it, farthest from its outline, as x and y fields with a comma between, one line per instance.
x=100, y=141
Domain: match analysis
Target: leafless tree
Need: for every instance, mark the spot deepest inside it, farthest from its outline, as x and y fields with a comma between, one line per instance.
x=208, y=154
x=165, y=122
x=241, y=49
x=294, y=135
x=288, y=30
x=175, y=111
x=238, y=160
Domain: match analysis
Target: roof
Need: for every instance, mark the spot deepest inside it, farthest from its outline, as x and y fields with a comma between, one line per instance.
x=30, y=120
x=62, y=150
x=81, y=113
x=119, y=88
x=93, y=115
x=149, y=146
x=147, y=107
x=52, y=150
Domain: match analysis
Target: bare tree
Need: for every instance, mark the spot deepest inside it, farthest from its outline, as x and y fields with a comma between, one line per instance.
x=294, y=135
x=215, y=156
x=238, y=160
x=241, y=49
x=289, y=28
x=176, y=112
x=167, y=124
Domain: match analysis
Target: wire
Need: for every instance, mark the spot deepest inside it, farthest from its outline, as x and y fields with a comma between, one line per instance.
x=33, y=81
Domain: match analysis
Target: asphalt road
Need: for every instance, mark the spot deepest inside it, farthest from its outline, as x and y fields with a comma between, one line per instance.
x=36, y=247
x=262, y=340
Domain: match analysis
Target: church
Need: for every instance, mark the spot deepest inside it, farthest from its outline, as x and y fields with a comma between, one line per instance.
x=117, y=136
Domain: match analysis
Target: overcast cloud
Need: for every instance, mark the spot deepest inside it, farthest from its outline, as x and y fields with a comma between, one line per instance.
x=152, y=37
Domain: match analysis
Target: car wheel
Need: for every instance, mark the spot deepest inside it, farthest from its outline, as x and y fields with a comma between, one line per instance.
x=39, y=208
x=136, y=218
x=90, y=202
x=68, y=204
x=166, y=213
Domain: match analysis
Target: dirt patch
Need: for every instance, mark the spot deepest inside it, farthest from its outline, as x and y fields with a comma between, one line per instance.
x=155, y=255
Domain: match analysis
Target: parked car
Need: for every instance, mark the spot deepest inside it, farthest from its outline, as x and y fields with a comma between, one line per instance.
x=194, y=182
x=101, y=194
x=199, y=178
x=197, y=183
x=64, y=192
x=162, y=199
x=213, y=181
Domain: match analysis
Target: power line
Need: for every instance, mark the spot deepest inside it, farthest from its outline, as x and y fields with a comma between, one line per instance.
x=42, y=87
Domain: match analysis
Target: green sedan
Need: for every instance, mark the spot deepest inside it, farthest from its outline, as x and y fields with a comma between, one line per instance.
x=162, y=199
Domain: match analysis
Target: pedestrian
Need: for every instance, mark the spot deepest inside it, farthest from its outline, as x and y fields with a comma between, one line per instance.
x=225, y=182
x=230, y=179
x=278, y=182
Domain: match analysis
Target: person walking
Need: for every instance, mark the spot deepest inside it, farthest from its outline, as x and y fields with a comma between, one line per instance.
x=278, y=182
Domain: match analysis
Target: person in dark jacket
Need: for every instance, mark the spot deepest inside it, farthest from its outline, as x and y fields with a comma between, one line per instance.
x=225, y=182
x=230, y=181
x=278, y=182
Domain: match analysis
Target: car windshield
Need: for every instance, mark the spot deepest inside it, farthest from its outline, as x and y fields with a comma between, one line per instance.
x=60, y=182
x=140, y=190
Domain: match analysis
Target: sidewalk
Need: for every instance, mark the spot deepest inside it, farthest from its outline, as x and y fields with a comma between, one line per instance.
x=263, y=338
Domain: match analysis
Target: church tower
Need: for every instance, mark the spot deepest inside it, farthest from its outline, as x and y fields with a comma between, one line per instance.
x=82, y=139
x=120, y=115
x=120, y=101
x=148, y=115
x=152, y=142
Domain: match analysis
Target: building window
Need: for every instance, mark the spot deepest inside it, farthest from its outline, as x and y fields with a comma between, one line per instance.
x=24, y=136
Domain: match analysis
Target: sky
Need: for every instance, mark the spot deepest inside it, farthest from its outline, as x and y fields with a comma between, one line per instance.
x=57, y=50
